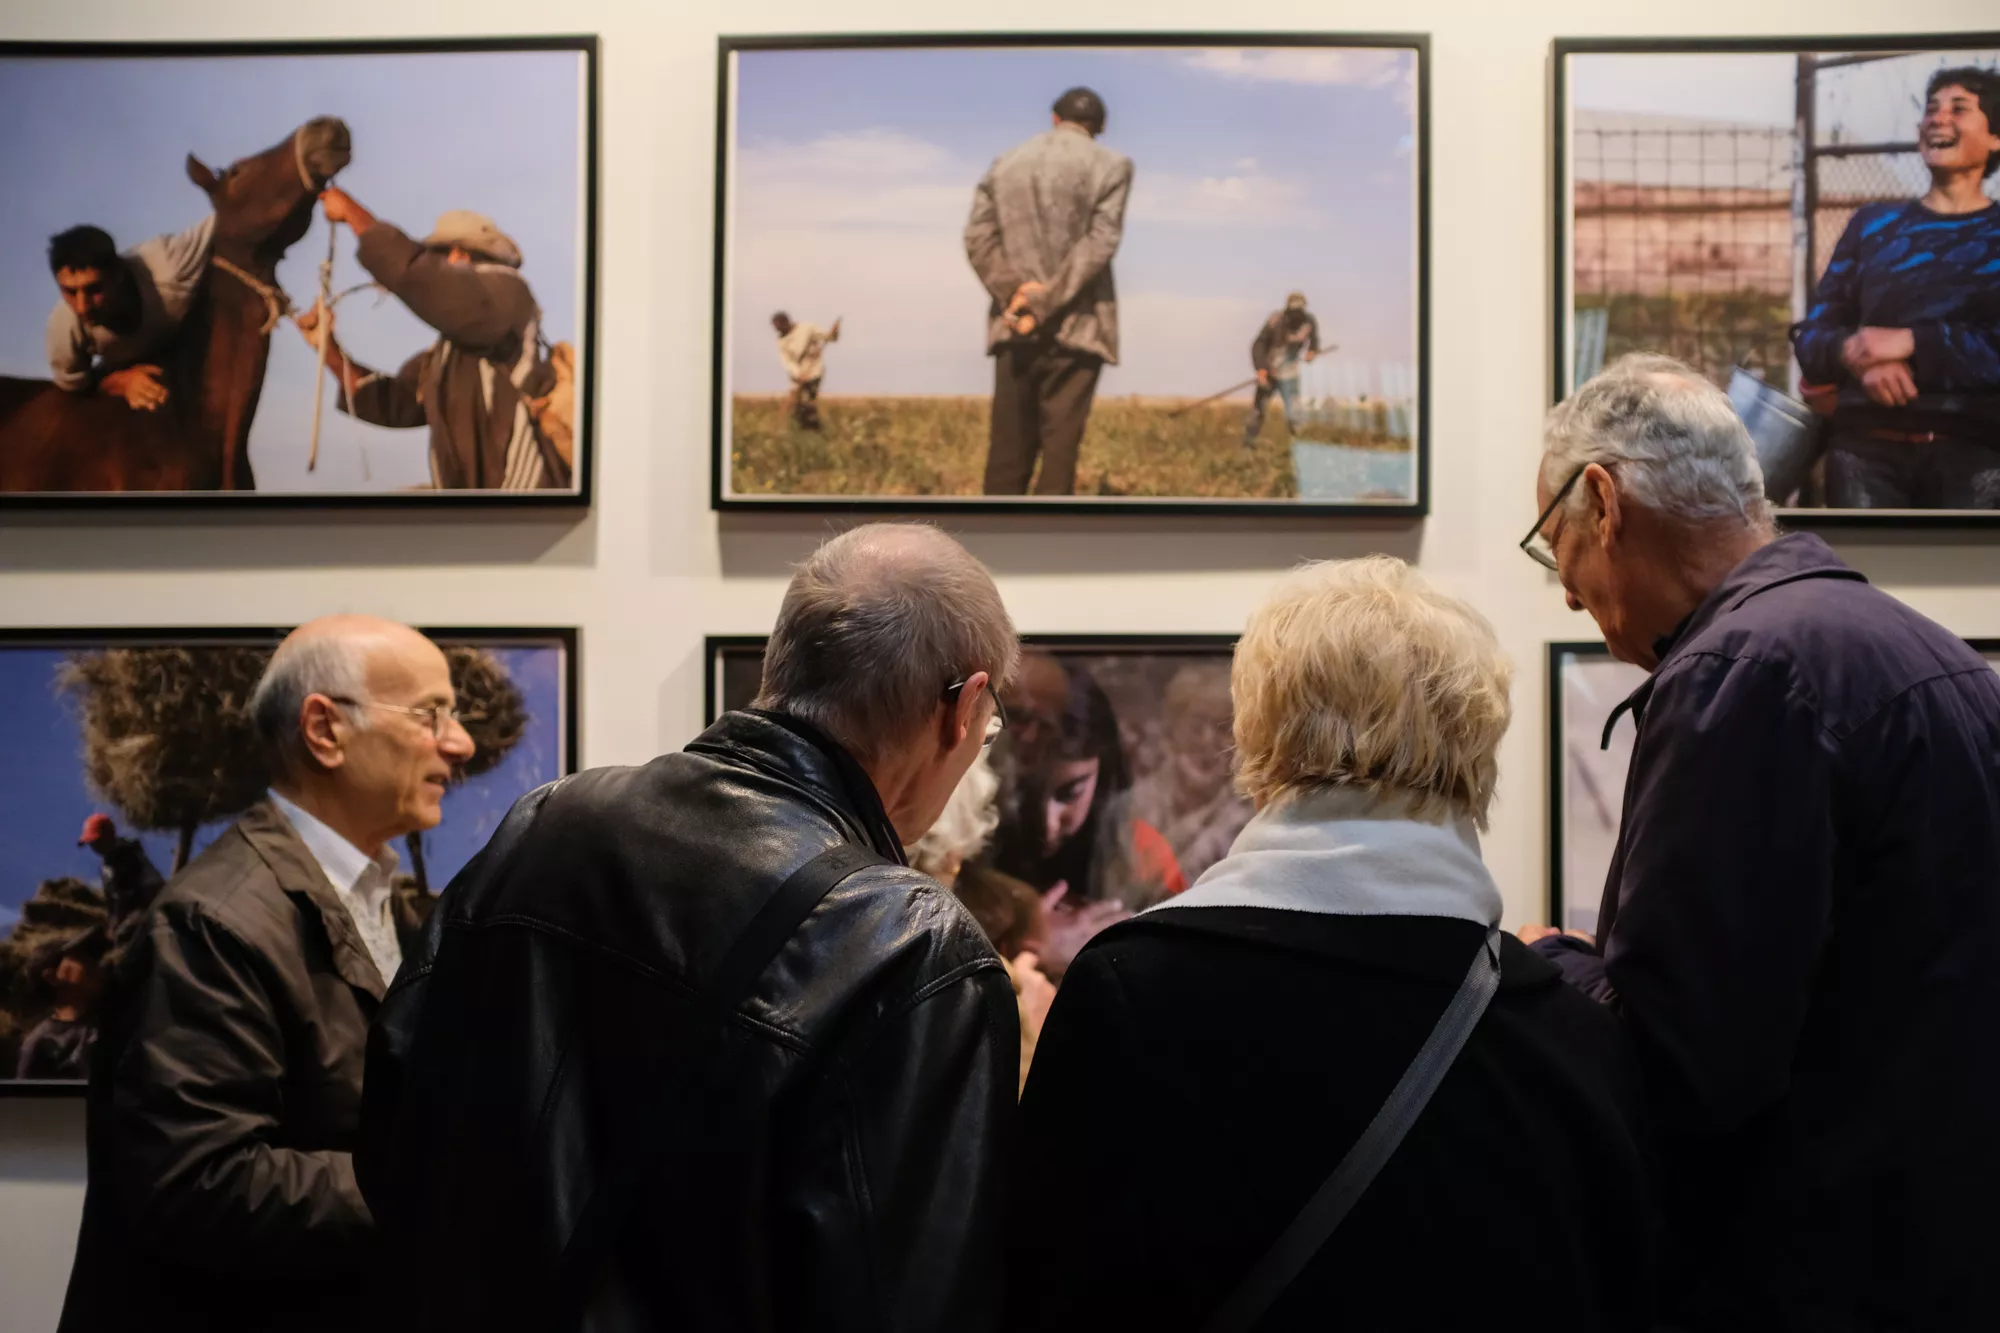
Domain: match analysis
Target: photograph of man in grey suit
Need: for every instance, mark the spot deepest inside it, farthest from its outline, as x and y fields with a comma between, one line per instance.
x=1046, y=221
x=989, y=360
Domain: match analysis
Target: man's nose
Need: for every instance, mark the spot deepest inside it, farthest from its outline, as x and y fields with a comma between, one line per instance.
x=457, y=742
x=1570, y=598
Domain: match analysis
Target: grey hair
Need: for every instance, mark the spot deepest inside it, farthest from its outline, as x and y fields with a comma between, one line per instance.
x=1684, y=451
x=876, y=624
x=330, y=664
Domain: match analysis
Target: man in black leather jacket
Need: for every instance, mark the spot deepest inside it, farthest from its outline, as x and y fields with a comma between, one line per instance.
x=839, y=1164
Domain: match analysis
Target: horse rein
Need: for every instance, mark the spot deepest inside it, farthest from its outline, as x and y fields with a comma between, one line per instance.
x=276, y=304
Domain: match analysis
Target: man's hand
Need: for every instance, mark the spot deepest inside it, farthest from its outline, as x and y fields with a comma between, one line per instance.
x=339, y=206
x=1263, y=379
x=139, y=386
x=1035, y=990
x=1872, y=346
x=1890, y=384
x=1530, y=934
x=1018, y=316
x=1311, y=355
x=309, y=322
x=1070, y=928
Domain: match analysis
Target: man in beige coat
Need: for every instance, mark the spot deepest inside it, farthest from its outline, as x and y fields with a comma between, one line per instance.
x=1046, y=220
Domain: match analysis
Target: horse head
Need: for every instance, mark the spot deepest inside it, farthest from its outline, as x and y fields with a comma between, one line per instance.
x=264, y=202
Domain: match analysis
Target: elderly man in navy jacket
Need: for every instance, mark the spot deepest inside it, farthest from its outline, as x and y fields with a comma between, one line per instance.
x=1801, y=926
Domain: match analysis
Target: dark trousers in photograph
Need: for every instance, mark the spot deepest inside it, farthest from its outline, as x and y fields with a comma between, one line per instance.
x=1041, y=403
x=804, y=404
x=1896, y=470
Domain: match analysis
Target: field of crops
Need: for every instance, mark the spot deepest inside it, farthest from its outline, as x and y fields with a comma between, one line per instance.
x=937, y=446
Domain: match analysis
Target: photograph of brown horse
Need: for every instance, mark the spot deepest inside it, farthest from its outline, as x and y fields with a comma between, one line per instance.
x=56, y=441
x=391, y=304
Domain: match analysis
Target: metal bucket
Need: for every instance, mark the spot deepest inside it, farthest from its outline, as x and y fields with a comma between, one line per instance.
x=1788, y=435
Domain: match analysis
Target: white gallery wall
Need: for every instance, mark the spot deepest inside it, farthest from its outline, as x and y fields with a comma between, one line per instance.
x=650, y=569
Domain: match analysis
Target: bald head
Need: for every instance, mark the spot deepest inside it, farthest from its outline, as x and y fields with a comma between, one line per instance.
x=341, y=657
x=875, y=626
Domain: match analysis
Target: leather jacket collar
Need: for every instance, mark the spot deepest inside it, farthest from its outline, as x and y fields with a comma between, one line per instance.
x=808, y=758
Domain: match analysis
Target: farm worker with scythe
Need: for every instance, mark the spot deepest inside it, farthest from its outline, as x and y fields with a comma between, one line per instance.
x=800, y=347
x=1287, y=338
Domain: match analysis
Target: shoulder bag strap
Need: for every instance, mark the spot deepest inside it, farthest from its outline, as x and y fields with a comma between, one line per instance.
x=631, y=1162
x=1309, y=1231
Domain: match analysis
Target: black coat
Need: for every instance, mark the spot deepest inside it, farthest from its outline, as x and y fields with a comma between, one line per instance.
x=1204, y=1070
x=845, y=1171
x=225, y=1096
x=1801, y=926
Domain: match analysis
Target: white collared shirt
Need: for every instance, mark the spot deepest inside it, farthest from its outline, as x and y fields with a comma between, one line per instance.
x=361, y=883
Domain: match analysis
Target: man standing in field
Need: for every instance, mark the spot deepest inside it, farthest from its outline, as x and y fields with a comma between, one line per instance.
x=1046, y=220
x=800, y=347
x=1288, y=337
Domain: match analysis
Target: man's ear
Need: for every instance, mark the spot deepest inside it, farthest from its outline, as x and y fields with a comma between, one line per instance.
x=317, y=731
x=966, y=709
x=1605, y=500
x=207, y=180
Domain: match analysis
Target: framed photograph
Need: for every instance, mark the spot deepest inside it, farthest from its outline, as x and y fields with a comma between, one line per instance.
x=1115, y=785
x=129, y=751
x=1811, y=223
x=1587, y=767
x=162, y=340
x=1160, y=272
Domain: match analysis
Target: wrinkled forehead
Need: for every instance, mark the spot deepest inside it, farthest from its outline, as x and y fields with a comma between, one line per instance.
x=406, y=667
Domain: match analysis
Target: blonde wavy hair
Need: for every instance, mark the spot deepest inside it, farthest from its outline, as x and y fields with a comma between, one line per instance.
x=1358, y=673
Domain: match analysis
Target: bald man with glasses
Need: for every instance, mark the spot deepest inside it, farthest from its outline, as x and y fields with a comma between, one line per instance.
x=226, y=1086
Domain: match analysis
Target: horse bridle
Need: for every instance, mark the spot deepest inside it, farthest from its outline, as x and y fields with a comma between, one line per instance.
x=276, y=304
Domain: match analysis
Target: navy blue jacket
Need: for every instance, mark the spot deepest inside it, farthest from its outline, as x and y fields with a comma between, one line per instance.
x=1801, y=933
x=1901, y=266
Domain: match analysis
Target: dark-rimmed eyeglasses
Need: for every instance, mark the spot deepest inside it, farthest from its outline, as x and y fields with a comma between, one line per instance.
x=994, y=724
x=436, y=716
x=1539, y=548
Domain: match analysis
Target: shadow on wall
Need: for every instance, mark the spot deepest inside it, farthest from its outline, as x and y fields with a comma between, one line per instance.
x=303, y=540
x=769, y=545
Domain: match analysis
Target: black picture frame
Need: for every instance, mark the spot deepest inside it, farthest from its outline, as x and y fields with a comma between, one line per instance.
x=723, y=500
x=1843, y=50
x=584, y=454
x=564, y=637
x=716, y=648
x=1558, y=655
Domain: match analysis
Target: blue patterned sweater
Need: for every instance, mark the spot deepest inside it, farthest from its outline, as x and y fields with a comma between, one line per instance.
x=1902, y=266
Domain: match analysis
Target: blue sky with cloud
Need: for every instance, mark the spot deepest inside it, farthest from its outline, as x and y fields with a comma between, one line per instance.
x=1257, y=170
x=104, y=140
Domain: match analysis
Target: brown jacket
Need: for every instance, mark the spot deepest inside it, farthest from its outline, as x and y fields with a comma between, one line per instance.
x=470, y=386
x=224, y=1095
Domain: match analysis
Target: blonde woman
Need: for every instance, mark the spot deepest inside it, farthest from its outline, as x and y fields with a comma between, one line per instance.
x=1243, y=1034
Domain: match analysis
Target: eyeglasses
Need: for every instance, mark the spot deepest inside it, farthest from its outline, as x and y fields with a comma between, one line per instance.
x=436, y=714
x=1539, y=548
x=995, y=724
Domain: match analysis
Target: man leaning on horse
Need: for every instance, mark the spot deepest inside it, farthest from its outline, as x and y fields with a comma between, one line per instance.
x=478, y=387
x=118, y=310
